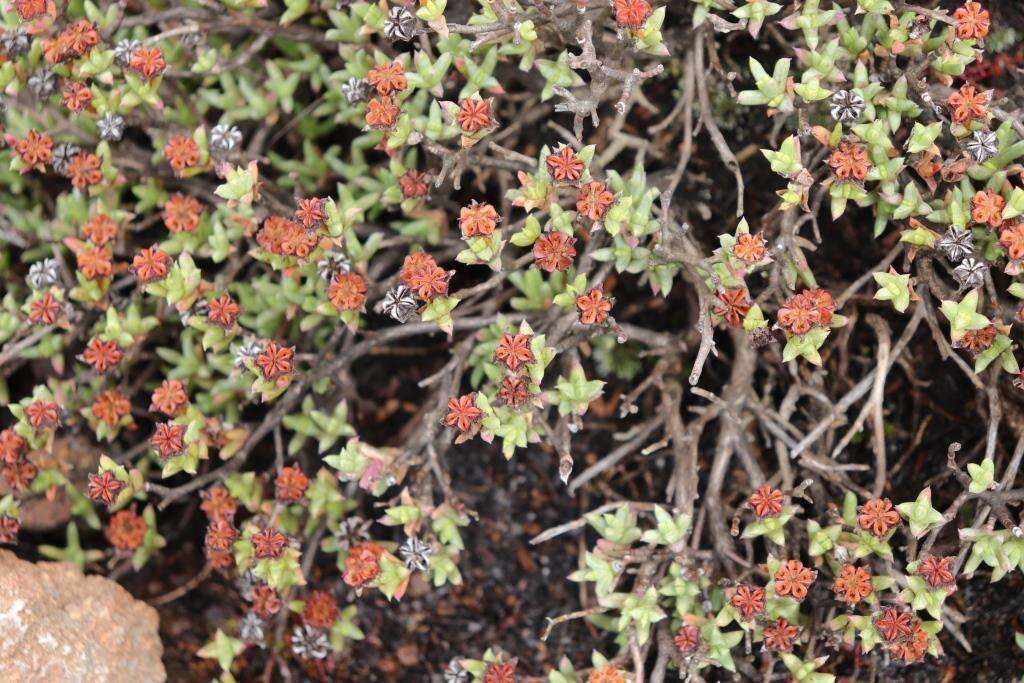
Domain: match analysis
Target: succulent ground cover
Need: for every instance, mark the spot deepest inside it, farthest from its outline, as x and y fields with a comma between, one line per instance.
x=593, y=340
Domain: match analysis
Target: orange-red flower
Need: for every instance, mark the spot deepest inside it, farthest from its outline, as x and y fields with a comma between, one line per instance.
x=913, y=648
x=181, y=213
x=733, y=306
x=413, y=184
x=513, y=351
x=45, y=310
x=381, y=112
x=168, y=439
x=169, y=398
x=84, y=170
x=43, y=414
x=110, y=406
x=478, y=219
x=793, y=579
x=150, y=265
x=972, y=22
x=76, y=96
x=320, y=610
x=749, y=248
x=290, y=484
x=33, y=9
x=286, y=238
x=850, y=162
x=265, y=601
x=362, y=565
x=749, y=601
x=104, y=487
x=19, y=475
x=102, y=355
x=387, y=78
x=474, y=115
x=310, y=212
x=632, y=13
x=799, y=314
x=100, y=229
x=347, y=291
x=987, y=208
x=937, y=571
x=564, y=165
x=853, y=584
x=275, y=360
x=11, y=445
x=223, y=311
x=147, y=62
x=593, y=307
x=126, y=530
x=977, y=340
x=218, y=503
x=35, y=149
x=513, y=391
x=687, y=639
x=554, y=251
x=421, y=273
x=594, y=200
x=779, y=635
x=766, y=501
x=1012, y=239
x=893, y=624
x=501, y=672
x=268, y=543
x=462, y=412
x=181, y=152
x=878, y=516
x=967, y=104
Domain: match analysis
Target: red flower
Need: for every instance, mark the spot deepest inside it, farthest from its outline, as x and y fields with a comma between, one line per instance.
x=310, y=212
x=387, y=78
x=462, y=412
x=766, y=501
x=19, y=475
x=734, y=306
x=779, y=635
x=11, y=445
x=84, y=170
x=911, y=649
x=362, y=565
x=793, y=579
x=181, y=152
x=564, y=165
x=381, y=113
x=147, y=61
x=218, y=503
x=44, y=310
x=150, y=265
x=749, y=601
x=9, y=528
x=632, y=13
x=102, y=355
x=268, y=543
x=169, y=398
x=75, y=96
x=1012, y=239
x=110, y=406
x=168, y=439
x=220, y=535
x=967, y=104
x=474, y=115
x=514, y=351
x=850, y=162
x=853, y=584
x=94, y=263
x=478, y=219
x=594, y=200
x=513, y=391
x=413, y=184
x=290, y=484
x=972, y=22
x=181, y=213
x=320, y=610
x=593, y=307
x=554, y=251
x=275, y=360
x=976, y=341
x=347, y=291
x=749, y=248
x=429, y=281
x=104, y=487
x=265, y=601
x=937, y=571
x=223, y=311
x=100, y=229
x=878, y=516
x=501, y=672
x=893, y=624
x=126, y=530
x=687, y=639
x=42, y=414
x=798, y=315
x=35, y=149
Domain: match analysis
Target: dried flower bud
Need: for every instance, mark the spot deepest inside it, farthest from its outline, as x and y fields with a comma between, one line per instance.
x=123, y=52
x=416, y=554
x=399, y=302
x=333, y=263
x=310, y=643
x=400, y=25
x=43, y=274
x=956, y=244
x=225, y=138
x=970, y=273
x=355, y=90
x=982, y=145
x=110, y=127
x=43, y=83
x=846, y=105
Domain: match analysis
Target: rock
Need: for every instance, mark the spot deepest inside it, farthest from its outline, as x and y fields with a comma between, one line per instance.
x=60, y=626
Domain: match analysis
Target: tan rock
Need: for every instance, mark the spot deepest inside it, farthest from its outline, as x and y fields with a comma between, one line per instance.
x=60, y=626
